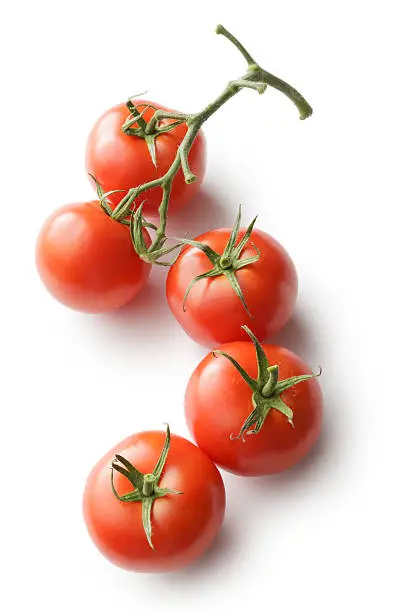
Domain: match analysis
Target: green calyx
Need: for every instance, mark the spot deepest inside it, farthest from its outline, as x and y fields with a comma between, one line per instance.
x=266, y=390
x=149, y=131
x=146, y=486
x=228, y=262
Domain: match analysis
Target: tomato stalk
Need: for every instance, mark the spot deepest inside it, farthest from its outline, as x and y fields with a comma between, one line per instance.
x=266, y=389
x=146, y=486
x=255, y=78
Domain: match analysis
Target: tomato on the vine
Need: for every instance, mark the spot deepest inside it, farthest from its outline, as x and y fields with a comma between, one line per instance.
x=87, y=261
x=226, y=278
x=160, y=506
x=121, y=161
x=260, y=419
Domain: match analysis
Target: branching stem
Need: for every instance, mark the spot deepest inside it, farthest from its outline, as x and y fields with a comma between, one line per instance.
x=255, y=78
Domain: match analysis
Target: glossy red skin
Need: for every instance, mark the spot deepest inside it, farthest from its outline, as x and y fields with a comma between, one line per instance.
x=87, y=261
x=183, y=526
x=214, y=313
x=119, y=161
x=218, y=401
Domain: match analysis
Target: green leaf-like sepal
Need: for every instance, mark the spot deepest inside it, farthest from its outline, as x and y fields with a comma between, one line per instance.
x=266, y=390
x=103, y=196
x=147, y=506
x=146, y=486
x=151, y=145
x=228, y=262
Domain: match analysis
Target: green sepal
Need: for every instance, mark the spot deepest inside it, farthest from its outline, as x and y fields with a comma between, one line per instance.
x=266, y=390
x=238, y=249
x=103, y=196
x=142, y=132
x=234, y=233
x=134, y=495
x=228, y=262
x=163, y=129
x=136, y=232
x=212, y=255
x=137, y=223
x=163, y=492
x=157, y=472
x=261, y=358
x=252, y=419
x=146, y=486
x=279, y=405
x=251, y=382
x=150, y=141
x=250, y=260
x=165, y=251
x=233, y=281
x=295, y=380
x=147, y=506
x=209, y=274
x=137, y=116
x=130, y=472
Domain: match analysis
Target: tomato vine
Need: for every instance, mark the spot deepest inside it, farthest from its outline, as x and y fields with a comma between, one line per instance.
x=255, y=78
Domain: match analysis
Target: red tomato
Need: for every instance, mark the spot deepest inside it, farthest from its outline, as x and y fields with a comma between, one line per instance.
x=218, y=401
x=183, y=526
x=213, y=312
x=87, y=261
x=119, y=161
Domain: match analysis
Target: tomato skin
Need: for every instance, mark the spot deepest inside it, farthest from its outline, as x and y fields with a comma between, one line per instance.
x=119, y=161
x=87, y=261
x=218, y=401
x=213, y=312
x=183, y=526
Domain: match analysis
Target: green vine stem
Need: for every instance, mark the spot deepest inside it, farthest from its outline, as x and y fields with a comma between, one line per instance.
x=255, y=78
x=145, y=486
x=266, y=389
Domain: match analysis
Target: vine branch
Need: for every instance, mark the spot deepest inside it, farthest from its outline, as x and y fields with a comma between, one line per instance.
x=255, y=78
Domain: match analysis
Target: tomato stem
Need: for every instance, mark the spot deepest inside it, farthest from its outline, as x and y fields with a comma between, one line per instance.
x=148, y=485
x=221, y=30
x=255, y=78
x=269, y=388
x=225, y=263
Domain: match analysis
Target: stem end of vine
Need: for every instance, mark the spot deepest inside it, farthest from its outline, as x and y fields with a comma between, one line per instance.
x=306, y=112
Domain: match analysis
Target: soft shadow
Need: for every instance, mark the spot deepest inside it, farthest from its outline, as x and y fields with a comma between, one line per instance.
x=203, y=213
x=148, y=314
x=211, y=562
x=297, y=336
x=323, y=459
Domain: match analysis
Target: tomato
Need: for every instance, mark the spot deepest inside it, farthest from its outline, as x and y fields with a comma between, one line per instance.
x=120, y=161
x=87, y=261
x=182, y=525
x=218, y=402
x=213, y=313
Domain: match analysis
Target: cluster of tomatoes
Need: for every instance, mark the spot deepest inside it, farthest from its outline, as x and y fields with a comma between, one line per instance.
x=155, y=502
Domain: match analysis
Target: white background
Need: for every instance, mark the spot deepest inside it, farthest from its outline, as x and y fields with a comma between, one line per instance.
x=331, y=534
